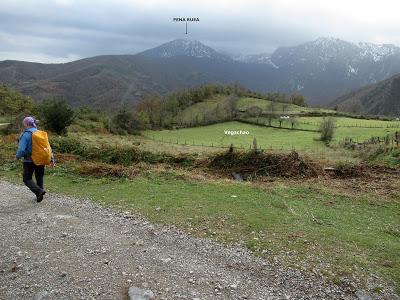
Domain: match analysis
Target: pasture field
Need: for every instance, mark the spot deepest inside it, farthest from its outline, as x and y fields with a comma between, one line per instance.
x=215, y=135
x=278, y=107
x=149, y=142
x=358, y=129
x=352, y=122
x=267, y=137
x=207, y=107
x=142, y=142
x=217, y=106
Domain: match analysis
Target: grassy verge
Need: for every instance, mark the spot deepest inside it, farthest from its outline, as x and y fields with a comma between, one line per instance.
x=302, y=224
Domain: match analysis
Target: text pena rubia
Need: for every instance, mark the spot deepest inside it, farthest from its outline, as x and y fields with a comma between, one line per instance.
x=186, y=19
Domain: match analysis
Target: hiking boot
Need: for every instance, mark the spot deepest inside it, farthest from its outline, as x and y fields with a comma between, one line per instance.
x=39, y=197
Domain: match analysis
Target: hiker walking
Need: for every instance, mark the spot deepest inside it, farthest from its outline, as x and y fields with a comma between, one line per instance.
x=34, y=147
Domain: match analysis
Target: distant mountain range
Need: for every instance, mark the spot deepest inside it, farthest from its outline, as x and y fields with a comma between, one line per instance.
x=382, y=98
x=321, y=70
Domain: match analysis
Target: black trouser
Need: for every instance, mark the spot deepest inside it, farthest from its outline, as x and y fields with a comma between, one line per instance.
x=29, y=169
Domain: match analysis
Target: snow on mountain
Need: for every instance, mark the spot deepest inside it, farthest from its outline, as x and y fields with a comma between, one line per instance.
x=321, y=69
x=377, y=51
x=184, y=47
x=324, y=50
x=262, y=58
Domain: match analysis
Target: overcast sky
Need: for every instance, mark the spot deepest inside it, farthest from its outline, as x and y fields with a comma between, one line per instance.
x=66, y=30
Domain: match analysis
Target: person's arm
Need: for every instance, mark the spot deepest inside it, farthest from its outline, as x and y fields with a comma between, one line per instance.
x=22, y=146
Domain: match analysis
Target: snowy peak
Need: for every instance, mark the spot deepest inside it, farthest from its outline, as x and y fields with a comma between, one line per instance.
x=184, y=47
x=377, y=51
x=326, y=42
x=328, y=48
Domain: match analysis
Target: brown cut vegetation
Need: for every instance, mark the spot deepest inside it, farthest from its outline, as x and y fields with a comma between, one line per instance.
x=255, y=163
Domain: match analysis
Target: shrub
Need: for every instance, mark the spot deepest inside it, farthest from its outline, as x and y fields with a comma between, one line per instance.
x=327, y=129
x=56, y=115
x=125, y=122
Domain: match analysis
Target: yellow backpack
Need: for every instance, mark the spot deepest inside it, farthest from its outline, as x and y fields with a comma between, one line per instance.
x=41, y=150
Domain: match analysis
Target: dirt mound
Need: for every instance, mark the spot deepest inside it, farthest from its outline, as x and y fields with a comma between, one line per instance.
x=255, y=163
x=351, y=171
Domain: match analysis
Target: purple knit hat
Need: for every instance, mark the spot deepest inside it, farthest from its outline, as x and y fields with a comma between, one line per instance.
x=29, y=122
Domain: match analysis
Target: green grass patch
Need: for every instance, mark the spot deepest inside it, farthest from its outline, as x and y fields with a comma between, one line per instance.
x=358, y=129
x=215, y=135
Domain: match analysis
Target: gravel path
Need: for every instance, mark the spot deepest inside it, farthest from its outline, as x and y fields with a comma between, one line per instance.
x=66, y=248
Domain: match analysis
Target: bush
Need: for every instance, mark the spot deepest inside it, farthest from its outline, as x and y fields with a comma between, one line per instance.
x=56, y=115
x=125, y=122
x=13, y=103
x=327, y=129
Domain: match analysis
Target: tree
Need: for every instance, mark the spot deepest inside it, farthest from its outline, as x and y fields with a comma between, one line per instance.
x=232, y=106
x=293, y=122
x=272, y=111
x=13, y=103
x=126, y=122
x=327, y=129
x=298, y=99
x=56, y=115
x=254, y=111
x=284, y=107
x=151, y=106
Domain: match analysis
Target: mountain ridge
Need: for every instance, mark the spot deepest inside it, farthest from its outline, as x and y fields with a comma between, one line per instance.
x=321, y=70
x=382, y=98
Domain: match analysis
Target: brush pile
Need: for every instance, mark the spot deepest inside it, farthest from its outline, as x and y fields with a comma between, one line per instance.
x=255, y=163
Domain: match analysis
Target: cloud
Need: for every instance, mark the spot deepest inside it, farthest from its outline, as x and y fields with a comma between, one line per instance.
x=66, y=29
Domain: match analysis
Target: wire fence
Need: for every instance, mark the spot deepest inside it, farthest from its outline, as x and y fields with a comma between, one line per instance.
x=267, y=124
x=288, y=124
x=353, y=126
x=389, y=141
x=225, y=146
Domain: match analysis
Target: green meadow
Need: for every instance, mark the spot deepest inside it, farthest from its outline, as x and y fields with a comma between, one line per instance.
x=215, y=135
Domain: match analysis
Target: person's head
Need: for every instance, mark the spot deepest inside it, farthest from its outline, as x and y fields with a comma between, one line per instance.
x=29, y=122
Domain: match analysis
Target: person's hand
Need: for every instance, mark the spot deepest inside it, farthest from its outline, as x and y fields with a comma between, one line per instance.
x=52, y=164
